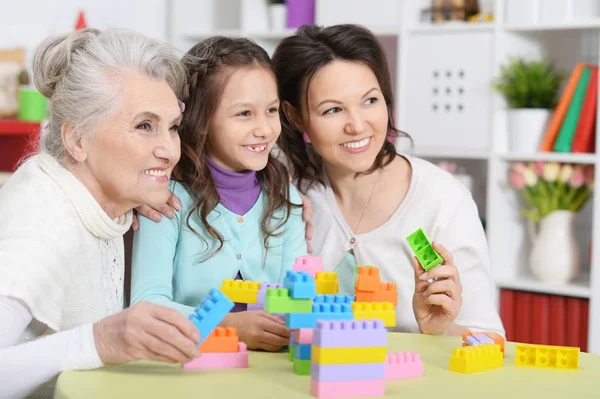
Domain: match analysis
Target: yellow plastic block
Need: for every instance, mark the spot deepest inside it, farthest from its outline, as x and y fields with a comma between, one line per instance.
x=472, y=359
x=240, y=291
x=327, y=283
x=383, y=311
x=547, y=356
x=369, y=354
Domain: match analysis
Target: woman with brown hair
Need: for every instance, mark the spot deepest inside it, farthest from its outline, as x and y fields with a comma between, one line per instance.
x=338, y=104
x=240, y=218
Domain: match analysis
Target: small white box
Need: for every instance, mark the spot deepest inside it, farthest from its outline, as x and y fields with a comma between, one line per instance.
x=370, y=14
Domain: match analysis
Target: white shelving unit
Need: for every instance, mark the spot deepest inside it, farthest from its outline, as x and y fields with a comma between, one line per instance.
x=445, y=101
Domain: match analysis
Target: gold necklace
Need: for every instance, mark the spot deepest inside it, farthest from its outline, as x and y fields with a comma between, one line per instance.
x=355, y=231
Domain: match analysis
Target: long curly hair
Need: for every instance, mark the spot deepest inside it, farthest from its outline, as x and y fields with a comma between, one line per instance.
x=209, y=64
x=296, y=61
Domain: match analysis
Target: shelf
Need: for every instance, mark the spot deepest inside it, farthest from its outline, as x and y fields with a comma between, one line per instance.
x=553, y=27
x=276, y=35
x=452, y=27
x=579, y=288
x=552, y=157
x=450, y=153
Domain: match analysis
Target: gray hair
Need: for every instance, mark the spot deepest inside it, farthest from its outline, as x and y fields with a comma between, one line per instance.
x=73, y=71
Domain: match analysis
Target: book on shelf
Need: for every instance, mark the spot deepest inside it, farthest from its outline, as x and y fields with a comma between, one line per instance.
x=572, y=127
x=534, y=318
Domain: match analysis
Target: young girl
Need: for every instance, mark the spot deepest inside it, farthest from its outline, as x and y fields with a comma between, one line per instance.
x=240, y=217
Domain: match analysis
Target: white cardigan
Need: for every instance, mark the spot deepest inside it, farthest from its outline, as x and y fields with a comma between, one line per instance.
x=61, y=268
x=445, y=210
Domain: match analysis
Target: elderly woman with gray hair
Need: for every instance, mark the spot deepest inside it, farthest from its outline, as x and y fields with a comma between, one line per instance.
x=110, y=147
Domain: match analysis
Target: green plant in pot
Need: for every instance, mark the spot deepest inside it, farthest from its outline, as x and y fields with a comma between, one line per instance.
x=531, y=90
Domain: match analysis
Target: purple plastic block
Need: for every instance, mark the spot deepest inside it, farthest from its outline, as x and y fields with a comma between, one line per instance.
x=262, y=291
x=327, y=298
x=347, y=372
x=252, y=306
x=483, y=339
x=349, y=333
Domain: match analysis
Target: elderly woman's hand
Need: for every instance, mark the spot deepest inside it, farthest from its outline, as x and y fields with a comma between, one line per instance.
x=173, y=204
x=146, y=331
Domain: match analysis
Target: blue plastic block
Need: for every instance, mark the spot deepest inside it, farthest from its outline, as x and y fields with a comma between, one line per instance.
x=320, y=311
x=302, y=351
x=300, y=285
x=210, y=313
x=328, y=298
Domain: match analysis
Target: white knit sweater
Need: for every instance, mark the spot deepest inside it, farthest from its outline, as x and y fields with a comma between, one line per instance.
x=60, y=254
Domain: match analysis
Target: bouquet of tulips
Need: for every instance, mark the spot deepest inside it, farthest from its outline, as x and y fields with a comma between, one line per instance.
x=550, y=186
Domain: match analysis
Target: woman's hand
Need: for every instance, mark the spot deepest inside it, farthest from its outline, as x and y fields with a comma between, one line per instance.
x=437, y=304
x=307, y=217
x=259, y=329
x=156, y=214
x=146, y=331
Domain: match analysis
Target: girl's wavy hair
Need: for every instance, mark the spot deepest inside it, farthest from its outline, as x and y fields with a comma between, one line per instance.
x=209, y=64
x=296, y=61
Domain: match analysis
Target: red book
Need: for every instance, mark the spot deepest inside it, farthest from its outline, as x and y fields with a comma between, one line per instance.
x=574, y=321
x=583, y=140
x=540, y=319
x=523, y=313
x=558, y=320
x=583, y=338
x=507, y=314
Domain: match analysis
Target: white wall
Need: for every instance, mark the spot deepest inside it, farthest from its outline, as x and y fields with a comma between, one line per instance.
x=27, y=22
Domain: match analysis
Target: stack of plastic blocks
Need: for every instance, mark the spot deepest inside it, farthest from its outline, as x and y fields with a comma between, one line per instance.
x=348, y=359
x=375, y=310
x=472, y=359
x=478, y=338
x=221, y=349
x=547, y=356
x=308, y=264
x=327, y=283
x=423, y=250
x=301, y=352
x=402, y=365
x=369, y=288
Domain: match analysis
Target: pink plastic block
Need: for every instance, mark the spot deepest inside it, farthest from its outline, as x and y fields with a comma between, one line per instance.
x=308, y=264
x=401, y=365
x=221, y=360
x=347, y=389
x=350, y=333
x=305, y=336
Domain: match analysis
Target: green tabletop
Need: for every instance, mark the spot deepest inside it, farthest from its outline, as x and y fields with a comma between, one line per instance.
x=270, y=375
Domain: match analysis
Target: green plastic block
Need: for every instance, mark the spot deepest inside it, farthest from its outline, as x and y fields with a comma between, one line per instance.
x=278, y=300
x=421, y=246
x=291, y=353
x=301, y=367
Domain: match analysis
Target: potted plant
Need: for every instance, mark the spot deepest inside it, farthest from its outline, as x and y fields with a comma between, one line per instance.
x=278, y=15
x=531, y=90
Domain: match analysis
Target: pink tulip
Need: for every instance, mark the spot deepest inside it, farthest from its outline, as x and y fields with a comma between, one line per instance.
x=516, y=179
x=577, y=178
x=539, y=168
x=519, y=167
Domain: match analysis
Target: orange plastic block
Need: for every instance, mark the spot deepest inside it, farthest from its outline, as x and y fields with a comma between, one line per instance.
x=367, y=279
x=387, y=292
x=497, y=338
x=221, y=340
x=364, y=296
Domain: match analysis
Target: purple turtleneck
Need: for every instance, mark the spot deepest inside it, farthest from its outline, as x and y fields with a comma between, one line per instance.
x=238, y=192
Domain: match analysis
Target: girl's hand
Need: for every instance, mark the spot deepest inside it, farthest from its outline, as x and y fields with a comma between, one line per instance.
x=437, y=304
x=307, y=217
x=259, y=329
x=146, y=331
x=156, y=214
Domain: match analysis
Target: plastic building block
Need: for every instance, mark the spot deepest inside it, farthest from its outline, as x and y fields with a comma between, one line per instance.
x=423, y=250
x=497, y=338
x=278, y=300
x=305, y=335
x=472, y=359
x=350, y=334
x=547, y=356
x=347, y=389
x=375, y=310
x=221, y=340
x=328, y=298
x=308, y=264
x=301, y=367
x=364, y=296
x=327, y=283
x=300, y=285
x=262, y=291
x=210, y=313
x=229, y=360
x=387, y=292
x=302, y=351
x=240, y=291
x=292, y=350
x=348, y=372
x=478, y=340
x=254, y=306
x=402, y=365
x=367, y=279
x=367, y=354
x=320, y=311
